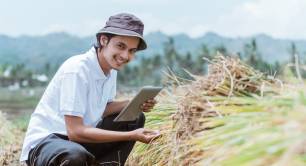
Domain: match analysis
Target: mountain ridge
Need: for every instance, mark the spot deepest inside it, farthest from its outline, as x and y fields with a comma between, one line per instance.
x=54, y=48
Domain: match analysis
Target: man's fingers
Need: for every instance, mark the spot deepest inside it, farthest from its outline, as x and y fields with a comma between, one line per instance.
x=149, y=131
x=148, y=104
x=153, y=101
x=143, y=107
x=146, y=131
x=153, y=135
x=146, y=110
x=149, y=135
x=146, y=107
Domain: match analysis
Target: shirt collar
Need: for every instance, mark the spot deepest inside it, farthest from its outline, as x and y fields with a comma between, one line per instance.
x=97, y=70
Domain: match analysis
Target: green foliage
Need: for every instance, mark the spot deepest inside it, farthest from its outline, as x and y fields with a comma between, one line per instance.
x=253, y=58
x=221, y=49
x=148, y=70
x=22, y=122
x=25, y=98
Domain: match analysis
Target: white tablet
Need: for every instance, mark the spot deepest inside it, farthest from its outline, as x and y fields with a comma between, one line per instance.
x=132, y=110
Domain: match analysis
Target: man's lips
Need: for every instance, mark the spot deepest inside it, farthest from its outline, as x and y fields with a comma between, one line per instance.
x=119, y=61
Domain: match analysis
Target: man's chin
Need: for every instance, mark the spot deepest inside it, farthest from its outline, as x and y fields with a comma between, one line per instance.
x=117, y=68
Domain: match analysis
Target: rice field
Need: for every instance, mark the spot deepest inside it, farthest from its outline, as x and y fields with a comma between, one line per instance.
x=15, y=109
x=233, y=116
x=11, y=137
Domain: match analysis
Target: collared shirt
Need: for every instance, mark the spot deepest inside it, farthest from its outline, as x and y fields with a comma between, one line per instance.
x=79, y=88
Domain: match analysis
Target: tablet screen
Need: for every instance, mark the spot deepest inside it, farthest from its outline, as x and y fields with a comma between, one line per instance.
x=132, y=110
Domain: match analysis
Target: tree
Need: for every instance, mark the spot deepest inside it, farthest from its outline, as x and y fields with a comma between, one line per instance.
x=252, y=56
x=293, y=52
x=221, y=49
x=187, y=62
x=170, y=53
x=277, y=68
x=293, y=55
x=200, y=65
x=254, y=59
x=47, y=69
x=157, y=61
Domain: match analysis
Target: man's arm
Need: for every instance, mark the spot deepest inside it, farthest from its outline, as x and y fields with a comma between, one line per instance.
x=78, y=132
x=114, y=107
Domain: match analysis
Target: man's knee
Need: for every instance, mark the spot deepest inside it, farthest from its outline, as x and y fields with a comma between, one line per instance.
x=141, y=120
x=77, y=157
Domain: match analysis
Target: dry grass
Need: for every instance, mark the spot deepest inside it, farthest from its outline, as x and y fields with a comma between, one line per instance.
x=233, y=116
x=11, y=138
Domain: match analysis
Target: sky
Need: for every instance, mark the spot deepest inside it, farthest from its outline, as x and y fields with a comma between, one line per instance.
x=231, y=18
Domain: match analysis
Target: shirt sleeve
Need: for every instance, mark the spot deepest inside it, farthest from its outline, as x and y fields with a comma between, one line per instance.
x=73, y=95
x=113, y=91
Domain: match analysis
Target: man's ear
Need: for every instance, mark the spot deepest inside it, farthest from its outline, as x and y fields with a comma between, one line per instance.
x=103, y=40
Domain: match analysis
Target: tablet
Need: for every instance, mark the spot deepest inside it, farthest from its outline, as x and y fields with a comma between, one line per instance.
x=132, y=110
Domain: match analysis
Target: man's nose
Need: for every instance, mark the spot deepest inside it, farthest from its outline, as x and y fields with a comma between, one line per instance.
x=124, y=56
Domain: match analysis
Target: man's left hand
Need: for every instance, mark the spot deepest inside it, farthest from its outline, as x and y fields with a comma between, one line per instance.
x=148, y=105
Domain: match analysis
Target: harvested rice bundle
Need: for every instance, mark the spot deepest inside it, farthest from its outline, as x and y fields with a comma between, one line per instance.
x=226, y=77
x=233, y=116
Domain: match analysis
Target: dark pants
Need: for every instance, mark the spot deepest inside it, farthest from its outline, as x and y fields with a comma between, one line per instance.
x=57, y=150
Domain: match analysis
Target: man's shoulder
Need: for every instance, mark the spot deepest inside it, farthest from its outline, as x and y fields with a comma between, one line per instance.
x=76, y=64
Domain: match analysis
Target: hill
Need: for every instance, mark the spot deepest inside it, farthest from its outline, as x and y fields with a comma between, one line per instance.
x=54, y=48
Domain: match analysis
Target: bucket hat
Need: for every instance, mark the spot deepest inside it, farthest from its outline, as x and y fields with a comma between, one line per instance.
x=124, y=24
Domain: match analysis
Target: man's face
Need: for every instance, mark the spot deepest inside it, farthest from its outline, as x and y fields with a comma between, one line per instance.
x=119, y=50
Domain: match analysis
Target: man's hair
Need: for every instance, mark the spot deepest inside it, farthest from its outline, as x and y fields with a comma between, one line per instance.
x=108, y=35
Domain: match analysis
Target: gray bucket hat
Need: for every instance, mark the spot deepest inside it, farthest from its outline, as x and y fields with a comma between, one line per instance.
x=126, y=25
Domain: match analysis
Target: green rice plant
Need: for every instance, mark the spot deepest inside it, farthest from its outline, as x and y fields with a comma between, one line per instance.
x=233, y=116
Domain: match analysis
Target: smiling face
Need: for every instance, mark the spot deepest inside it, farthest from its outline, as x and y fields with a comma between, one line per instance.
x=117, y=51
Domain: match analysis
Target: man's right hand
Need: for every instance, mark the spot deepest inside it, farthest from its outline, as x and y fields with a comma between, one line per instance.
x=145, y=135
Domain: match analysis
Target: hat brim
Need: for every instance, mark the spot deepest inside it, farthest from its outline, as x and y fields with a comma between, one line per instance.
x=124, y=32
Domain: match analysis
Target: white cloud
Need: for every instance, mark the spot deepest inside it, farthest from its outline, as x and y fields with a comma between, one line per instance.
x=154, y=23
x=198, y=30
x=279, y=18
x=55, y=28
x=88, y=27
x=172, y=26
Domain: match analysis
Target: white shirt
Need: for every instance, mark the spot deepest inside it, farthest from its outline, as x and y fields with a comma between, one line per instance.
x=79, y=88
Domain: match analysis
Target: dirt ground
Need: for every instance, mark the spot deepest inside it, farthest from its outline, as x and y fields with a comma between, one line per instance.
x=12, y=135
x=10, y=155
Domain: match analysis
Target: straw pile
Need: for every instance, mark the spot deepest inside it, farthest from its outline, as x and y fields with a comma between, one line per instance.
x=10, y=142
x=234, y=115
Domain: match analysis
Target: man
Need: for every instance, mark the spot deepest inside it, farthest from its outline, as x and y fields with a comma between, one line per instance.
x=73, y=122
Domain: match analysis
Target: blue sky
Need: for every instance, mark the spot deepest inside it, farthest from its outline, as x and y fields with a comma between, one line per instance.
x=232, y=18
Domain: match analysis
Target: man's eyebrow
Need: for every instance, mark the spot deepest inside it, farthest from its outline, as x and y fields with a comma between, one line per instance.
x=133, y=49
x=119, y=42
x=125, y=45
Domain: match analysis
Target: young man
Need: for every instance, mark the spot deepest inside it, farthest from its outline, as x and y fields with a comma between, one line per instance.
x=73, y=122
